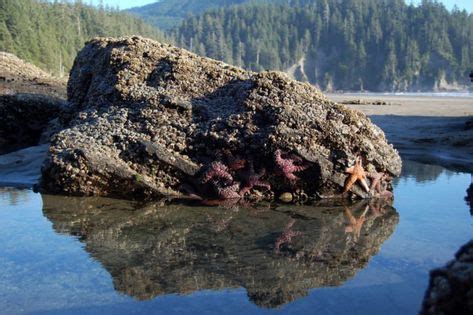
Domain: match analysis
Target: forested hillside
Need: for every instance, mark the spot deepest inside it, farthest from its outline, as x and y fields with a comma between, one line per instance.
x=340, y=44
x=50, y=34
x=166, y=14
x=377, y=45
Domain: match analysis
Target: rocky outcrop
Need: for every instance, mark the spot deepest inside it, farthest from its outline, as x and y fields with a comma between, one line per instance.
x=276, y=254
x=451, y=287
x=19, y=76
x=153, y=120
x=29, y=100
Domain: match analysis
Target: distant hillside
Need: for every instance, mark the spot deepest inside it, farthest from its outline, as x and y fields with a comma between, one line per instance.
x=378, y=45
x=50, y=34
x=166, y=14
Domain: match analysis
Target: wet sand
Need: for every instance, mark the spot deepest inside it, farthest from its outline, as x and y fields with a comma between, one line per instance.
x=424, y=128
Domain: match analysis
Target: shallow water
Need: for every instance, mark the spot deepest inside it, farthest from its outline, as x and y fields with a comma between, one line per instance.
x=91, y=255
x=465, y=94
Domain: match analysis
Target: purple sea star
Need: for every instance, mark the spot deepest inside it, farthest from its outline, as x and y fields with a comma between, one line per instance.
x=287, y=165
x=228, y=192
x=252, y=179
x=217, y=171
x=377, y=179
x=286, y=236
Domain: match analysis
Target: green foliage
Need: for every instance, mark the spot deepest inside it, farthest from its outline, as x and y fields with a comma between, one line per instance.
x=166, y=14
x=341, y=44
x=49, y=34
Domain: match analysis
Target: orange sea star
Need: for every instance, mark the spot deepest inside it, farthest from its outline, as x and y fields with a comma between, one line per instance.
x=357, y=173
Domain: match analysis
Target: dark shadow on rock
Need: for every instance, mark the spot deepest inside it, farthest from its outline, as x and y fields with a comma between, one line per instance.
x=276, y=253
x=25, y=118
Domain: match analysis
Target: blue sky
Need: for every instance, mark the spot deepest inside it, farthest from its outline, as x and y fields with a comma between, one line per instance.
x=124, y=4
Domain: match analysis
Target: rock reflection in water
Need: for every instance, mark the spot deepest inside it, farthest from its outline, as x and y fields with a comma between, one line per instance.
x=422, y=172
x=469, y=196
x=277, y=254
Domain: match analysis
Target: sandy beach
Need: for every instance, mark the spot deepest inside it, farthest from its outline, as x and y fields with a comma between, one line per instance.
x=423, y=128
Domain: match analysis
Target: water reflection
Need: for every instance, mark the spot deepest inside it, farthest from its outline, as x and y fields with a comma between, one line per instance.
x=276, y=253
x=13, y=196
x=422, y=172
x=469, y=196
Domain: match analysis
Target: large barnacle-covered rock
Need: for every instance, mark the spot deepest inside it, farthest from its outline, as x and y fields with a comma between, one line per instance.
x=151, y=120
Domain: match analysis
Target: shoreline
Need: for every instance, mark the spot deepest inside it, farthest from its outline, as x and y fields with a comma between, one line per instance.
x=426, y=129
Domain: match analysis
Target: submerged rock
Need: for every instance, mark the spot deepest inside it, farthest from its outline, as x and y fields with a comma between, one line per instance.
x=154, y=120
x=451, y=287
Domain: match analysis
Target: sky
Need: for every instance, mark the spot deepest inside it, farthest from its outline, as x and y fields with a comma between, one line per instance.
x=125, y=4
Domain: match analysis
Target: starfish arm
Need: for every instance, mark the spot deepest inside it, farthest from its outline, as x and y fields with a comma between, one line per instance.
x=379, y=189
x=300, y=168
x=364, y=184
x=292, y=177
x=289, y=224
x=349, y=183
x=350, y=169
x=375, y=181
x=217, y=170
x=350, y=216
x=386, y=194
x=229, y=192
x=263, y=184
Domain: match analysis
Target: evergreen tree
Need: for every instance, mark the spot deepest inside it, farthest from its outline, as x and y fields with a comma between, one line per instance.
x=49, y=34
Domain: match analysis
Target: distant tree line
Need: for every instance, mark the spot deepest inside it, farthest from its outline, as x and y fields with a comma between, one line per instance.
x=375, y=45
x=340, y=44
x=167, y=14
x=49, y=33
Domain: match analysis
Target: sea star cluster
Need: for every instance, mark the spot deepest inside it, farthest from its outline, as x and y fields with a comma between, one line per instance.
x=287, y=165
x=222, y=178
x=232, y=177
